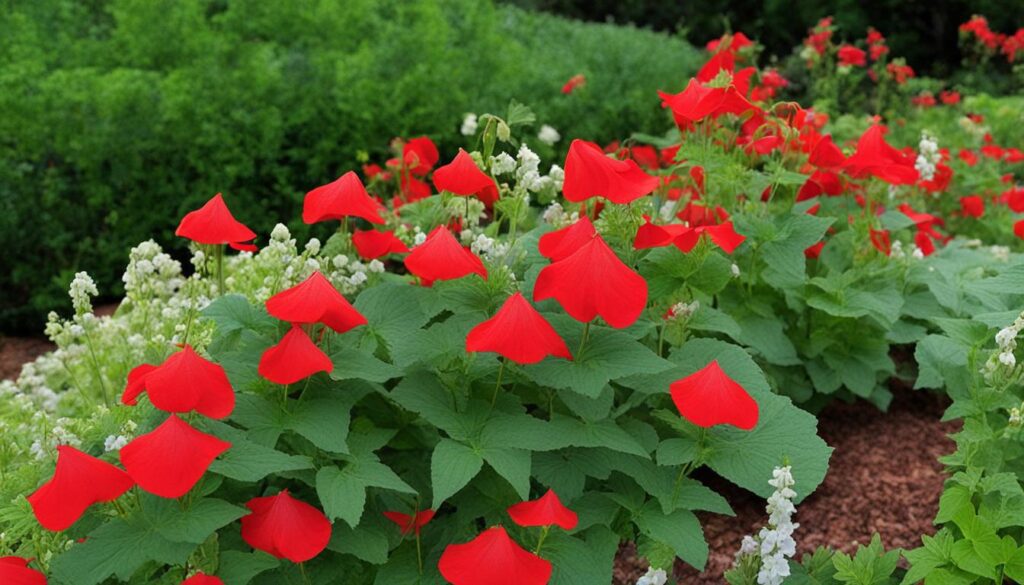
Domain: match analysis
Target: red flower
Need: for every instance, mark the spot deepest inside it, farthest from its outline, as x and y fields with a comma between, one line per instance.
x=710, y=397
x=650, y=235
x=286, y=528
x=409, y=524
x=968, y=157
x=201, y=579
x=972, y=205
x=950, y=98
x=184, y=382
x=372, y=244
x=294, y=358
x=591, y=282
x=420, y=155
x=169, y=460
x=924, y=242
x=821, y=181
x=562, y=243
x=578, y=80
x=880, y=240
x=213, y=224
x=463, y=177
x=345, y=197
x=15, y=571
x=518, y=332
x=545, y=511
x=697, y=102
x=852, y=56
x=413, y=189
x=826, y=154
x=78, y=482
x=492, y=558
x=441, y=257
x=722, y=61
x=723, y=235
x=815, y=250
x=315, y=300
x=589, y=173
x=1018, y=229
x=876, y=157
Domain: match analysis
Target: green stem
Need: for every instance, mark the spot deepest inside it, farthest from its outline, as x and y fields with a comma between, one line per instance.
x=419, y=551
x=497, y=386
x=540, y=541
x=96, y=368
x=583, y=339
x=218, y=254
x=302, y=570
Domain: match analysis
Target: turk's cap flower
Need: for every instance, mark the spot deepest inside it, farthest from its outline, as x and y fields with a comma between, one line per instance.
x=372, y=244
x=213, y=224
x=562, y=243
x=344, y=197
x=286, y=528
x=442, y=257
x=78, y=482
x=410, y=523
x=590, y=173
x=15, y=571
x=519, y=333
x=294, y=358
x=315, y=300
x=710, y=397
x=593, y=282
x=492, y=558
x=201, y=579
x=184, y=382
x=169, y=460
x=545, y=511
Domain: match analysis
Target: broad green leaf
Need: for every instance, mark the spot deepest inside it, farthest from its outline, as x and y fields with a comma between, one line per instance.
x=193, y=524
x=354, y=363
x=248, y=461
x=239, y=568
x=119, y=548
x=680, y=530
x=512, y=464
x=452, y=466
x=366, y=543
x=577, y=561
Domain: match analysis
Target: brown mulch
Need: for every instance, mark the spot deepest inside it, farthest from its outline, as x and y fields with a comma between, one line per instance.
x=15, y=351
x=884, y=477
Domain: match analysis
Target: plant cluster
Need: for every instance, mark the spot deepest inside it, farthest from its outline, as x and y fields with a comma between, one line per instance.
x=494, y=371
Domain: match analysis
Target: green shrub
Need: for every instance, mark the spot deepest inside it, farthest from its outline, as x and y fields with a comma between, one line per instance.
x=117, y=114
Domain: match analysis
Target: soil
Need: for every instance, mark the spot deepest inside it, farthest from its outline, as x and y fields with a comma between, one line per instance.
x=884, y=477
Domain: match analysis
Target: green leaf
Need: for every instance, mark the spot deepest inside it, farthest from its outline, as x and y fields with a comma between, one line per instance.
x=233, y=313
x=193, y=524
x=366, y=543
x=608, y=355
x=119, y=548
x=785, y=263
x=512, y=464
x=342, y=491
x=680, y=530
x=784, y=434
x=323, y=421
x=452, y=466
x=581, y=562
x=248, y=461
x=239, y=568
x=354, y=363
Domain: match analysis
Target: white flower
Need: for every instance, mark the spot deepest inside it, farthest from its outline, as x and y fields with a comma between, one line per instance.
x=114, y=443
x=653, y=577
x=557, y=176
x=774, y=543
x=1007, y=359
x=503, y=164
x=313, y=246
x=376, y=266
x=928, y=157
x=548, y=135
x=419, y=238
x=280, y=233
x=554, y=214
x=81, y=291
x=735, y=269
x=469, y=125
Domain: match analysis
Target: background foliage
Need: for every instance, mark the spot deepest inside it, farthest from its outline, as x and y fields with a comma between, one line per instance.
x=116, y=114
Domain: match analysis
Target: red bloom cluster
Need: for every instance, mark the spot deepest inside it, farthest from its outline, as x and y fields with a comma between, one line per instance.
x=851, y=56
x=213, y=224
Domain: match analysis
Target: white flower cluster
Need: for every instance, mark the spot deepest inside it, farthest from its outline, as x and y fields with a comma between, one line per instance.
x=653, y=577
x=469, y=125
x=483, y=245
x=1006, y=345
x=774, y=544
x=528, y=172
x=1016, y=416
x=469, y=209
x=548, y=135
x=59, y=435
x=556, y=216
x=683, y=310
x=151, y=273
x=976, y=130
x=81, y=291
x=928, y=157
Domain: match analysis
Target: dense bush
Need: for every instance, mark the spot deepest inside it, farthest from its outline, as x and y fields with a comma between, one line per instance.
x=117, y=114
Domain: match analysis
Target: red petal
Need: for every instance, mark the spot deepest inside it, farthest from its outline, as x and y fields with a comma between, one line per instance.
x=591, y=282
x=183, y=383
x=826, y=154
x=408, y=524
x=880, y=240
x=345, y=197
x=545, y=511
x=589, y=173
x=876, y=157
x=420, y=155
x=213, y=224
x=15, y=571
x=243, y=247
x=562, y=243
x=136, y=383
x=710, y=397
x=463, y=177
x=201, y=579
x=286, y=528
x=372, y=244
x=294, y=358
x=724, y=236
x=441, y=257
x=518, y=332
x=650, y=235
x=78, y=482
x=492, y=558
x=972, y=205
x=168, y=461
x=315, y=300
